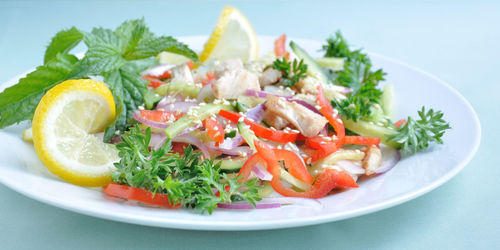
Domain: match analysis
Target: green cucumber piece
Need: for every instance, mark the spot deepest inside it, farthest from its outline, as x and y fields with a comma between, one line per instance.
x=151, y=98
x=200, y=114
x=370, y=129
x=232, y=164
x=247, y=135
x=185, y=89
x=387, y=101
x=335, y=63
x=313, y=69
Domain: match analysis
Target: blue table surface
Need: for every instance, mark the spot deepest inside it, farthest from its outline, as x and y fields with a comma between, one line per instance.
x=455, y=40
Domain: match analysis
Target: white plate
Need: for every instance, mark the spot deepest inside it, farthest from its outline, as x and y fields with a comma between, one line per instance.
x=21, y=170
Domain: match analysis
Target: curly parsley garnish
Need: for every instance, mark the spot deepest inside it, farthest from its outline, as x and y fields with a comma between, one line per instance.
x=357, y=75
x=186, y=179
x=291, y=72
x=416, y=135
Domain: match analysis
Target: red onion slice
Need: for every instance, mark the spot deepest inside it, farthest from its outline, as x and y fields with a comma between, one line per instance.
x=307, y=105
x=256, y=113
x=390, y=158
x=262, y=174
x=230, y=143
x=189, y=139
x=243, y=150
x=350, y=167
x=149, y=123
x=177, y=106
x=262, y=94
x=244, y=205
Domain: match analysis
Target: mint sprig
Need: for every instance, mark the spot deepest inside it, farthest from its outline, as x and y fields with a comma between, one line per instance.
x=119, y=55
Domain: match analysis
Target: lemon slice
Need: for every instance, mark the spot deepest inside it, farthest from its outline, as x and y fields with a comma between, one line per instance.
x=63, y=127
x=233, y=37
x=28, y=135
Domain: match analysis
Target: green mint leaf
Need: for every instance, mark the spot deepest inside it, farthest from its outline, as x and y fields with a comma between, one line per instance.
x=128, y=89
x=62, y=42
x=103, y=55
x=18, y=103
x=152, y=46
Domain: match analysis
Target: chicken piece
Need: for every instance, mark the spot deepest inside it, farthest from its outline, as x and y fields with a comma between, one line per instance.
x=372, y=160
x=182, y=73
x=308, y=85
x=234, y=83
x=227, y=66
x=269, y=76
x=308, y=122
x=274, y=120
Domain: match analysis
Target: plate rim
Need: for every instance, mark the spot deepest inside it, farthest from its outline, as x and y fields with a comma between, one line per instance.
x=282, y=223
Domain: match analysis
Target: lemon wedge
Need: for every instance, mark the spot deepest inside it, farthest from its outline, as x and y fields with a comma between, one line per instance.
x=233, y=37
x=63, y=128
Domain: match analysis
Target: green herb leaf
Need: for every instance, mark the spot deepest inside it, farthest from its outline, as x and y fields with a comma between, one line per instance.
x=416, y=135
x=129, y=90
x=62, y=42
x=18, y=103
x=186, y=179
x=292, y=72
x=358, y=76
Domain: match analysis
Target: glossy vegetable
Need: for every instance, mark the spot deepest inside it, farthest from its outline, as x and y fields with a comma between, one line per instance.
x=138, y=194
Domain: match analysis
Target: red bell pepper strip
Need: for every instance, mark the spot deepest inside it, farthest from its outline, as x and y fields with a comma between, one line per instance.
x=190, y=64
x=214, y=130
x=165, y=75
x=279, y=45
x=293, y=164
x=160, y=116
x=259, y=130
x=325, y=182
x=326, y=110
x=361, y=140
x=138, y=194
x=400, y=123
x=153, y=82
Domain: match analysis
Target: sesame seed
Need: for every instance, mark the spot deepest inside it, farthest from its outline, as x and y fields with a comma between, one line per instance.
x=322, y=142
x=309, y=160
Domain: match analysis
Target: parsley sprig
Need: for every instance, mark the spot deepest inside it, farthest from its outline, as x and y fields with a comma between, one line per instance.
x=357, y=75
x=416, y=135
x=291, y=72
x=186, y=179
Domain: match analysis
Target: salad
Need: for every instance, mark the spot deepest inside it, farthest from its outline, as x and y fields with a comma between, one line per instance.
x=152, y=121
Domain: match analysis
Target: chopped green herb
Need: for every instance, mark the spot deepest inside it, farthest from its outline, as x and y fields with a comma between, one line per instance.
x=291, y=72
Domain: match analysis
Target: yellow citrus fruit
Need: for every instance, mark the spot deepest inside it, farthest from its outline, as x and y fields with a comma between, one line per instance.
x=63, y=128
x=233, y=37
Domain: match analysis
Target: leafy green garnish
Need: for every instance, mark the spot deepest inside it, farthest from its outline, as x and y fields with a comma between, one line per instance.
x=186, y=179
x=118, y=55
x=291, y=72
x=358, y=76
x=416, y=135
x=62, y=43
x=18, y=103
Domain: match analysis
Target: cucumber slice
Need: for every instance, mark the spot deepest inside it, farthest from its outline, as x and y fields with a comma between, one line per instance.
x=335, y=63
x=369, y=129
x=313, y=69
x=232, y=164
x=387, y=101
x=247, y=135
x=201, y=114
x=185, y=89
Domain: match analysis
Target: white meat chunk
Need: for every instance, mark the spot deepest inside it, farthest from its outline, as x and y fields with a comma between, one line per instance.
x=227, y=66
x=308, y=122
x=182, y=73
x=274, y=120
x=372, y=160
x=269, y=76
x=234, y=83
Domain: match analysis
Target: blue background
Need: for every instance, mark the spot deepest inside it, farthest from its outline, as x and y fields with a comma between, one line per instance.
x=455, y=40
